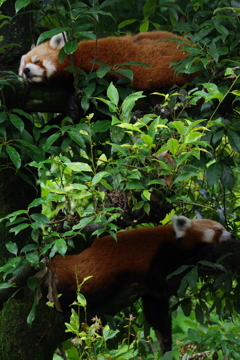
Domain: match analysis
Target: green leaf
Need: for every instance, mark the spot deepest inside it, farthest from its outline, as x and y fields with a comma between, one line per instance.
x=19, y=4
x=147, y=139
x=17, y=122
x=83, y=222
x=199, y=314
x=32, y=313
x=127, y=22
x=112, y=94
x=98, y=177
x=60, y=246
x=5, y=285
x=103, y=70
x=101, y=126
x=50, y=141
x=29, y=247
x=149, y=8
x=81, y=300
x=37, y=202
x=227, y=177
x=193, y=278
x=23, y=113
x=18, y=228
x=33, y=257
x=145, y=26
x=14, y=156
x=50, y=33
x=234, y=140
x=129, y=127
x=184, y=176
x=213, y=173
x=32, y=283
x=70, y=47
x=180, y=127
x=173, y=146
x=12, y=247
x=78, y=166
x=40, y=219
x=78, y=138
x=146, y=194
x=119, y=148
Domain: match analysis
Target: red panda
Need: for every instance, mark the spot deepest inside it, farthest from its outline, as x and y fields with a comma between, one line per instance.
x=41, y=63
x=145, y=256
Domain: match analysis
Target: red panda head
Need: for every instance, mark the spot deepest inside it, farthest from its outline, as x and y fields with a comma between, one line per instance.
x=41, y=62
x=194, y=231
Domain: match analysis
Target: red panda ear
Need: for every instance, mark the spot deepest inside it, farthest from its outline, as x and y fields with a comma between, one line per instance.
x=57, y=41
x=180, y=224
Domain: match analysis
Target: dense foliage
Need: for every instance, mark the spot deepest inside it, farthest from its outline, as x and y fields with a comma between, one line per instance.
x=118, y=167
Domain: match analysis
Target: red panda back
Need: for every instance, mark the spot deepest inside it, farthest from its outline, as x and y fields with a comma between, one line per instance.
x=42, y=63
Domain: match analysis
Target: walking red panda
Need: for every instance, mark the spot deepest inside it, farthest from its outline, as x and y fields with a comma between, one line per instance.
x=41, y=63
x=145, y=256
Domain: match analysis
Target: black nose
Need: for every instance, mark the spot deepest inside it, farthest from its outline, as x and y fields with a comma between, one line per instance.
x=26, y=71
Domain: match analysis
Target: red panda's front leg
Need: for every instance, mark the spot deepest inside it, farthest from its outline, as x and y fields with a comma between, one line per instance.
x=156, y=311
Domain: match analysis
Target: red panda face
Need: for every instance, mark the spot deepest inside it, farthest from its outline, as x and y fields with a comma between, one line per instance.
x=199, y=230
x=41, y=62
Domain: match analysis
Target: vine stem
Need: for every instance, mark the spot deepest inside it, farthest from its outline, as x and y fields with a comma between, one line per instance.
x=220, y=102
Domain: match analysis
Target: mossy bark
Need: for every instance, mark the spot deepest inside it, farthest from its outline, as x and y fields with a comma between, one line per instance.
x=19, y=341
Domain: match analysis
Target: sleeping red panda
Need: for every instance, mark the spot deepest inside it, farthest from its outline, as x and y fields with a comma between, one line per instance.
x=41, y=63
x=145, y=256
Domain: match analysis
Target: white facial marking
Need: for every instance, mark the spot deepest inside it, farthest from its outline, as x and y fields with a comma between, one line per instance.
x=22, y=65
x=226, y=235
x=180, y=224
x=36, y=73
x=50, y=68
x=208, y=235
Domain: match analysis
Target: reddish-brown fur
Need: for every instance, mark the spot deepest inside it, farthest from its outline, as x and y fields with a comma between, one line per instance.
x=133, y=251
x=145, y=257
x=144, y=47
